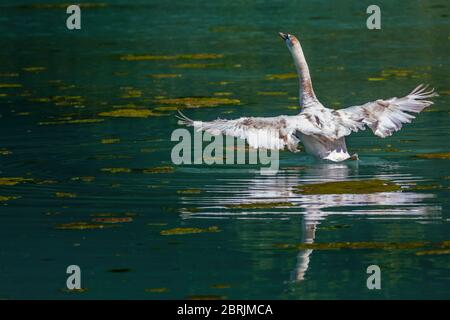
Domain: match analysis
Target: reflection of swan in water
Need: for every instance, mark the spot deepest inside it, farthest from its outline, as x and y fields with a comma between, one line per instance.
x=279, y=188
x=314, y=208
x=309, y=233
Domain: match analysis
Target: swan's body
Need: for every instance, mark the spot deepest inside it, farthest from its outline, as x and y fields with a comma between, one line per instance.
x=321, y=130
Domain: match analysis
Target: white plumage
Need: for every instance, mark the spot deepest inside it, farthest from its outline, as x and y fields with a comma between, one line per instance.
x=321, y=130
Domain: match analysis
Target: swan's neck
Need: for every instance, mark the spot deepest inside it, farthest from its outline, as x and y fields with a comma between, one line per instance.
x=307, y=95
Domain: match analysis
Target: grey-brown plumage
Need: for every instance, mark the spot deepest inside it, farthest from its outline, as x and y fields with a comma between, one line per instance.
x=321, y=130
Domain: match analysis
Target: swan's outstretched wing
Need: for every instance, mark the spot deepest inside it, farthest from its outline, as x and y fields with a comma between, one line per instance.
x=384, y=117
x=267, y=133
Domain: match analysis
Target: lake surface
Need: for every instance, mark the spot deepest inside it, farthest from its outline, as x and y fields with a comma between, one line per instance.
x=86, y=176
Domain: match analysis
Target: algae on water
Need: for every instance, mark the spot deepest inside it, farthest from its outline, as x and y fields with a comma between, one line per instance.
x=348, y=187
x=443, y=155
x=198, y=102
x=180, y=231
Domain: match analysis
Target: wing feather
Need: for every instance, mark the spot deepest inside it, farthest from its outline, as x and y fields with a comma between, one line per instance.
x=385, y=117
x=268, y=133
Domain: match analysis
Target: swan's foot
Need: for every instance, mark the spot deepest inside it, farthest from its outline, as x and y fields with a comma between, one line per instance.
x=354, y=157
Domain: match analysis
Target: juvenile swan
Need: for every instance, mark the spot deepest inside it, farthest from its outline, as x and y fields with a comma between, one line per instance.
x=321, y=130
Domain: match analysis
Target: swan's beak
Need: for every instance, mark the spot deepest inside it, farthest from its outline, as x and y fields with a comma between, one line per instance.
x=283, y=36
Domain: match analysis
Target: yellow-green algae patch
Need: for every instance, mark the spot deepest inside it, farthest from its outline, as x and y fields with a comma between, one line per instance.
x=443, y=155
x=10, y=85
x=201, y=56
x=116, y=170
x=189, y=191
x=281, y=76
x=167, y=108
x=164, y=169
x=148, y=150
x=127, y=106
x=156, y=290
x=195, y=56
x=259, y=205
x=25, y=93
x=70, y=86
x=65, y=195
x=109, y=141
x=130, y=92
x=221, y=83
x=165, y=75
x=40, y=99
x=113, y=219
x=110, y=156
x=145, y=57
x=130, y=113
x=75, y=121
x=358, y=245
x=191, y=209
x=198, y=65
x=46, y=181
x=433, y=252
x=271, y=93
x=5, y=152
x=348, y=187
x=425, y=187
x=12, y=181
x=8, y=198
x=103, y=214
x=34, y=69
x=199, y=102
x=80, y=226
x=180, y=231
x=9, y=74
x=73, y=101
x=157, y=224
x=398, y=73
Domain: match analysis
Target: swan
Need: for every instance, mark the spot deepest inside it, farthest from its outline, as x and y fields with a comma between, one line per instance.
x=321, y=130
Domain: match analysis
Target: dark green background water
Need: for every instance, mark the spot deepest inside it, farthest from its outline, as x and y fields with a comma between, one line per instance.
x=79, y=74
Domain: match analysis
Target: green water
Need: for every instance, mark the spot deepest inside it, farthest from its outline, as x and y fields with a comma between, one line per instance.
x=50, y=78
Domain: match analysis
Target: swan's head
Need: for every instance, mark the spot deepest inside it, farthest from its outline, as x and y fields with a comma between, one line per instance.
x=289, y=39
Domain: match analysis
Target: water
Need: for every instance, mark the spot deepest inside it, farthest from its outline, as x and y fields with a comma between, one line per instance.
x=59, y=77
